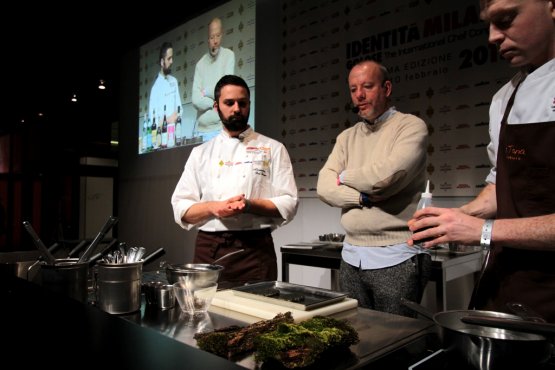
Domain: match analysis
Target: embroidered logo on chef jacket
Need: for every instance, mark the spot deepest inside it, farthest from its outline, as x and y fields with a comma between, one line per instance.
x=259, y=156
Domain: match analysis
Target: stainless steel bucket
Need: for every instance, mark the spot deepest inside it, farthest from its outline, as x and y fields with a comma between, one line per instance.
x=66, y=276
x=118, y=287
x=17, y=263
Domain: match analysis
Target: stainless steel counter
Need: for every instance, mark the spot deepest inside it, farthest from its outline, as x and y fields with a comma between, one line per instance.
x=381, y=334
x=43, y=328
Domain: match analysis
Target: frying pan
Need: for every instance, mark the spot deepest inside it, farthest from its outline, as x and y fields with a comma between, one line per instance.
x=487, y=347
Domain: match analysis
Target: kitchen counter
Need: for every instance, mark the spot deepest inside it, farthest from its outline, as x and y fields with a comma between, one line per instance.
x=46, y=330
x=42, y=328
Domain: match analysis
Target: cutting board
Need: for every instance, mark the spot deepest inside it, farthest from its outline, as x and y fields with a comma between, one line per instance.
x=265, y=310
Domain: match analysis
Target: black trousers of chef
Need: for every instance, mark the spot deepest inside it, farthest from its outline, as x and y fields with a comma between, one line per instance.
x=256, y=263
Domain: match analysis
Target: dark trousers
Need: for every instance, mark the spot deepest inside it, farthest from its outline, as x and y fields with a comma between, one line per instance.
x=256, y=263
x=382, y=289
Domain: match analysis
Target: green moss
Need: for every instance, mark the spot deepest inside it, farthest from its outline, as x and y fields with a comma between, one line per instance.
x=300, y=345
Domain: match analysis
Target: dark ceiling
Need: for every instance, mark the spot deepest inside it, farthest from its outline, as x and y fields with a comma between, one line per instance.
x=56, y=52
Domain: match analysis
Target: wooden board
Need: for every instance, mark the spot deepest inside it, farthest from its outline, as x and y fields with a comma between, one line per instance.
x=265, y=310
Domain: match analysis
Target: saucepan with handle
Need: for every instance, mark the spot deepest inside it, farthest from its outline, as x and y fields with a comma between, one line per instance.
x=488, y=347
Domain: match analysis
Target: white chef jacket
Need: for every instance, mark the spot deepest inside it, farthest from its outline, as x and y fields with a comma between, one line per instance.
x=534, y=102
x=253, y=164
x=165, y=91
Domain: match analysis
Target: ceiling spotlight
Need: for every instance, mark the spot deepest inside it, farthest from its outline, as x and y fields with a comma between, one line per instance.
x=74, y=98
x=101, y=85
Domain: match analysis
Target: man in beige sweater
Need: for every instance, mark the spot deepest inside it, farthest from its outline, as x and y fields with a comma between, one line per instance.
x=375, y=174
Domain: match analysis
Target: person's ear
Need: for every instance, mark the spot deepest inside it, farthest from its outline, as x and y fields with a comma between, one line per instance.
x=388, y=86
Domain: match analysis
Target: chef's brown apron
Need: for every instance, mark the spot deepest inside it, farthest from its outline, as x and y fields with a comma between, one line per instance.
x=525, y=187
x=256, y=263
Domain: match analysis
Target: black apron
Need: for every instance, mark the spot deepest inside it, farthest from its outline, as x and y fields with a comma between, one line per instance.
x=525, y=187
x=256, y=263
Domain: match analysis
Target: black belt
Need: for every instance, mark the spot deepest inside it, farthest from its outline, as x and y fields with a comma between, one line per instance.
x=238, y=233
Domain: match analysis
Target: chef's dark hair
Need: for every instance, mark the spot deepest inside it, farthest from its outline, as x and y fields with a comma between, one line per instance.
x=164, y=49
x=229, y=80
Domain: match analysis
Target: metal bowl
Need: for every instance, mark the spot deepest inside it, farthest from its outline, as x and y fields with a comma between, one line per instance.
x=193, y=272
x=332, y=237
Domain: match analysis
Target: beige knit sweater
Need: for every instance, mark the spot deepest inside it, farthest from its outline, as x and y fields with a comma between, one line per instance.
x=386, y=160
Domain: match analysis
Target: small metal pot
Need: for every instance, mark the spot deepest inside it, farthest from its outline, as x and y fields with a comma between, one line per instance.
x=485, y=347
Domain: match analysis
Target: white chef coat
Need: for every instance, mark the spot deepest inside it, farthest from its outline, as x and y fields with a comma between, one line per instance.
x=534, y=102
x=253, y=164
x=165, y=91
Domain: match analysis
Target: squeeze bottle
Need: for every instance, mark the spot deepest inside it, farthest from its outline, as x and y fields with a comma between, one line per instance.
x=425, y=201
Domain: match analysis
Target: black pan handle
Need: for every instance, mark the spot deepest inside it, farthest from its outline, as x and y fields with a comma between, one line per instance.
x=154, y=255
x=511, y=324
x=90, y=249
x=77, y=248
x=418, y=308
x=38, y=243
x=525, y=312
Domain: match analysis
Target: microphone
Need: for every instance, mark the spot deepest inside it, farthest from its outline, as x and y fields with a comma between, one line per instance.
x=355, y=109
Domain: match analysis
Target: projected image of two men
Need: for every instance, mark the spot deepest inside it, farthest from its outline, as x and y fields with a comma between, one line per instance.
x=178, y=72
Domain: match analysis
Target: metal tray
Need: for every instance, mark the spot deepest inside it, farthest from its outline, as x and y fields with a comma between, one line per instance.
x=295, y=296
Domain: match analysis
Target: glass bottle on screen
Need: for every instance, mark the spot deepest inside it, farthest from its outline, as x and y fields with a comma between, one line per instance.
x=159, y=137
x=425, y=201
x=164, y=143
x=171, y=134
x=146, y=135
x=153, y=131
x=178, y=126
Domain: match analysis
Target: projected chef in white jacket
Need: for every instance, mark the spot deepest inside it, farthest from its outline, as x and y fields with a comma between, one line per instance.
x=164, y=95
x=212, y=66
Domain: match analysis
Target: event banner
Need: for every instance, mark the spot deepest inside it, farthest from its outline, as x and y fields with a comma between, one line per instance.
x=442, y=68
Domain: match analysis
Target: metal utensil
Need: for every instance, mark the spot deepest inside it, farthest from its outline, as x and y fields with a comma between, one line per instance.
x=154, y=255
x=104, y=251
x=107, y=226
x=473, y=297
x=39, y=244
x=227, y=255
x=77, y=248
x=525, y=312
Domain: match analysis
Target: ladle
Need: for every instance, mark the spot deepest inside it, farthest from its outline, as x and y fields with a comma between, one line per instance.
x=227, y=255
x=39, y=244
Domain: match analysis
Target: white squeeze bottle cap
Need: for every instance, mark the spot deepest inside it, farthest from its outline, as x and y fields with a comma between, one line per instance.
x=425, y=198
x=427, y=193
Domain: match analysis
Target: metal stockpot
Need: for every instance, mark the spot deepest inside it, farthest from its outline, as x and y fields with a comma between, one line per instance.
x=485, y=347
x=118, y=287
x=489, y=347
x=66, y=276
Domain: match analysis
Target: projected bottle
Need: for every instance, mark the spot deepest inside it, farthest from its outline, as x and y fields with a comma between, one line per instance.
x=145, y=134
x=178, y=126
x=159, y=137
x=425, y=201
x=171, y=134
x=164, y=143
x=153, y=131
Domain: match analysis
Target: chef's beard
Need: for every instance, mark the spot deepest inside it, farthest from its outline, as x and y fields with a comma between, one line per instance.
x=235, y=123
